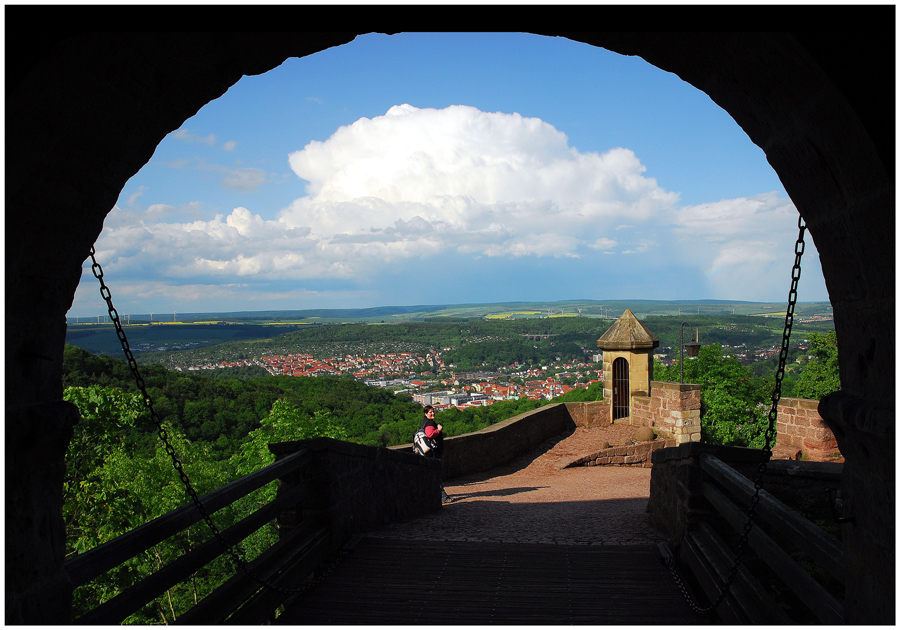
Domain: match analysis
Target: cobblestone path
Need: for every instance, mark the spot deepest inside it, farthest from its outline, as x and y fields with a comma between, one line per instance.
x=534, y=499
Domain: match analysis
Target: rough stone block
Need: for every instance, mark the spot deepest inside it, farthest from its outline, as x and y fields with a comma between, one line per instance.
x=822, y=443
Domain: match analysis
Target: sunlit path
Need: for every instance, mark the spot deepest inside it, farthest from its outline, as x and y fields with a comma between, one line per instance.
x=530, y=542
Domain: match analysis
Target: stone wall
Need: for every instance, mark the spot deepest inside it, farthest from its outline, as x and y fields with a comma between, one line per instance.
x=676, y=484
x=359, y=488
x=802, y=484
x=676, y=502
x=502, y=442
x=803, y=434
x=35, y=539
x=630, y=455
x=671, y=409
x=590, y=414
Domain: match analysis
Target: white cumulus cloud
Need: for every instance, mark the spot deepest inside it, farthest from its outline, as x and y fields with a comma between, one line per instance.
x=497, y=184
x=744, y=246
x=394, y=193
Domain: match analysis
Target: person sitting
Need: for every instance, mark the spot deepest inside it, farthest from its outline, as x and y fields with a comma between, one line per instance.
x=435, y=432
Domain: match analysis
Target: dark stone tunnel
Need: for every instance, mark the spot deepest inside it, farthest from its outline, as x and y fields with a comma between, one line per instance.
x=85, y=111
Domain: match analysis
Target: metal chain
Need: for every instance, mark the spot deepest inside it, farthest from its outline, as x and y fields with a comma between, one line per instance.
x=164, y=436
x=799, y=248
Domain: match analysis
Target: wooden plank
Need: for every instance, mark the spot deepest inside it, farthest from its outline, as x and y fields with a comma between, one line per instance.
x=823, y=549
x=131, y=599
x=216, y=607
x=710, y=582
x=86, y=566
x=261, y=607
x=748, y=595
x=387, y=582
x=819, y=601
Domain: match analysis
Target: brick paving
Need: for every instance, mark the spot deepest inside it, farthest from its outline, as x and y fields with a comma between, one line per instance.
x=528, y=543
x=535, y=499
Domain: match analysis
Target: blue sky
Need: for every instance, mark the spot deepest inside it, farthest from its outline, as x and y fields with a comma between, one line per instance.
x=447, y=168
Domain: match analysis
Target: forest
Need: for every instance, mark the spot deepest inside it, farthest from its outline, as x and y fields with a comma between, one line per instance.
x=119, y=474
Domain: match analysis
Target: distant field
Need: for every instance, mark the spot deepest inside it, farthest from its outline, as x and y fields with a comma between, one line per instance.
x=586, y=308
x=102, y=338
x=197, y=330
x=512, y=315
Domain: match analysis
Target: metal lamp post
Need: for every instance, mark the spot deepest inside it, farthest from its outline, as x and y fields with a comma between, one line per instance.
x=692, y=346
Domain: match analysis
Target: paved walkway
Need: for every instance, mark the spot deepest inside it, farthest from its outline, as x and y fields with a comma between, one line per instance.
x=528, y=543
x=535, y=500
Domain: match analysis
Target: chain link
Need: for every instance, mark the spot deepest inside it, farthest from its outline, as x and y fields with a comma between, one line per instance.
x=799, y=248
x=176, y=462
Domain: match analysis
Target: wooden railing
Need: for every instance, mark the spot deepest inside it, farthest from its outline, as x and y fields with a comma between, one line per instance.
x=706, y=553
x=329, y=491
x=242, y=599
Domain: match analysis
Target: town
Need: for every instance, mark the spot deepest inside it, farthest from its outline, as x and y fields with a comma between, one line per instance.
x=425, y=377
x=437, y=385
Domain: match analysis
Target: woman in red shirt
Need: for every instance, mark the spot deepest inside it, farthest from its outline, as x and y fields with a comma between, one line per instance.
x=435, y=431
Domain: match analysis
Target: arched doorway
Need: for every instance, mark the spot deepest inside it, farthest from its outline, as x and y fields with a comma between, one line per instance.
x=621, y=398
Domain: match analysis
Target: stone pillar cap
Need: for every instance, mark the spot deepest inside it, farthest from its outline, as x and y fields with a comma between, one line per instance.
x=627, y=333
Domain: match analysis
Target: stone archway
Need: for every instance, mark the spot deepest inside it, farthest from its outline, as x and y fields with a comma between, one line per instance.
x=99, y=103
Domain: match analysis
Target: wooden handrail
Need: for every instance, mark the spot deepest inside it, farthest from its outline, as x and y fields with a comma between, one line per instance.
x=823, y=549
x=817, y=599
x=131, y=599
x=711, y=560
x=285, y=565
x=722, y=484
x=86, y=566
x=319, y=508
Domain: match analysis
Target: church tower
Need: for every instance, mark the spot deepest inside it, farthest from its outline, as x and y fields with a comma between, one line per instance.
x=627, y=363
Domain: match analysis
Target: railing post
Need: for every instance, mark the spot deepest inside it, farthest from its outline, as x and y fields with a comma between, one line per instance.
x=312, y=476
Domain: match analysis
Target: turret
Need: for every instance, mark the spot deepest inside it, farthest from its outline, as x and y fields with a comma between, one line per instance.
x=627, y=362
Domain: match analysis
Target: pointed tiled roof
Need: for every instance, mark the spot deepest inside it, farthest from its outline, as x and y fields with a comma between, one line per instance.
x=627, y=333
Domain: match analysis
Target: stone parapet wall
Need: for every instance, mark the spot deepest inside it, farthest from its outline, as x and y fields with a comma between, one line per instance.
x=801, y=433
x=590, y=414
x=639, y=455
x=671, y=409
x=677, y=503
x=502, y=442
x=359, y=488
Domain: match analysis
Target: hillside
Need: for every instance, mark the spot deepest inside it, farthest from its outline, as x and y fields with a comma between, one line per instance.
x=489, y=337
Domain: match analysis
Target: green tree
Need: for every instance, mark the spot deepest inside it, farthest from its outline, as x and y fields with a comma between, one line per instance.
x=285, y=422
x=592, y=392
x=106, y=413
x=821, y=375
x=111, y=488
x=734, y=406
